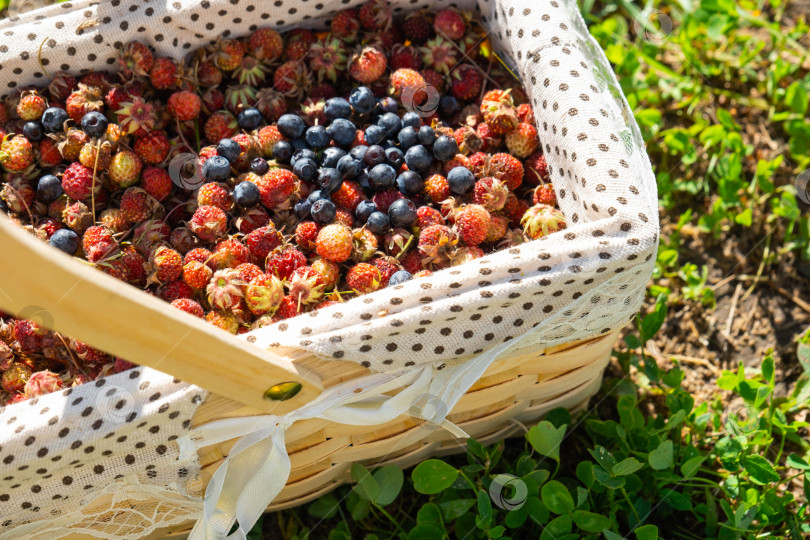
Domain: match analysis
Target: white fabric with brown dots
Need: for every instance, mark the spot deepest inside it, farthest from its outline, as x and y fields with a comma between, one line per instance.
x=575, y=284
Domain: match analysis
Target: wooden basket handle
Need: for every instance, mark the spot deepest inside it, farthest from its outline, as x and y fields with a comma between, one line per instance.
x=105, y=313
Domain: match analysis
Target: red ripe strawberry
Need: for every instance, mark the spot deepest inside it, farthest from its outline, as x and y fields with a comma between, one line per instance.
x=544, y=194
x=514, y=208
x=42, y=383
x=497, y=228
x=136, y=205
x=16, y=153
x=156, y=182
x=298, y=39
x=489, y=141
x=49, y=155
x=398, y=240
x=28, y=336
x=417, y=27
x=260, y=242
x=388, y=266
x=47, y=227
x=334, y=243
x=209, y=223
x=225, y=289
x=225, y=321
x=306, y=233
x=200, y=255
x=137, y=117
x=283, y=261
x=363, y=278
x=135, y=265
x=345, y=217
x=183, y=240
x=541, y=220
x=437, y=244
x=99, y=79
x=368, y=65
x=468, y=140
x=252, y=219
x=124, y=169
x=440, y=54
x=490, y=193
x=150, y=234
x=96, y=156
x=60, y=88
x=466, y=254
x=477, y=163
x=220, y=125
x=436, y=80
x=213, y=194
x=526, y=113
x=276, y=187
x=405, y=56
x=508, y=169
x=77, y=182
x=375, y=15
x=306, y=285
x=153, y=147
x=327, y=58
x=329, y=270
x=265, y=44
x=466, y=82
x=230, y=253
x=135, y=58
x=384, y=199
x=288, y=308
x=364, y=244
x=267, y=138
x=346, y=25
x=271, y=104
x=116, y=97
x=427, y=216
x=322, y=90
x=31, y=106
x=184, y=105
x=412, y=261
x=348, y=196
x=229, y=54
x=437, y=188
x=407, y=83
x=248, y=271
x=14, y=379
x=292, y=78
x=76, y=216
x=82, y=101
x=389, y=37
x=522, y=140
x=168, y=264
x=163, y=74
x=536, y=169
x=98, y=242
x=263, y=294
x=190, y=306
x=459, y=160
x=472, y=223
x=499, y=112
x=213, y=99
x=450, y=23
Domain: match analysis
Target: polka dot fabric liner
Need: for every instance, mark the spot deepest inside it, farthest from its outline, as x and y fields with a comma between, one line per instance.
x=572, y=285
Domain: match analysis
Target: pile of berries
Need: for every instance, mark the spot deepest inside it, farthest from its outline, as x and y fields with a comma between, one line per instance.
x=271, y=175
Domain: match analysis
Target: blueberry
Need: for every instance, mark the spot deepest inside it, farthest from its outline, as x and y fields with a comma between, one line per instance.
x=246, y=194
x=329, y=179
x=426, y=135
x=230, y=149
x=306, y=169
x=317, y=137
x=323, y=211
x=342, y=131
x=303, y=153
x=411, y=119
x=364, y=210
x=65, y=240
x=382, y=177
x=362, y=100
x=418, y=158
x=445, y=148
x=400, y=276
x=402, y=213
x=53, y=119
x=358, y=151
x=395, y=157
x=407, y=137
x=49, y=188
x=387, y=104
x=259, y=166
x=349, y=167
x=282, y=151
x=33, y=131
x=460, y=180
x=337, y=107
x=299, y=144
x=249, y=119
x=363, y=182
x=331, y=156
x=378, y=223
x=391, y=123
x=291, y=126
x=375, y=134
x=374, y=156
x=94, y=124
x=317, y=195
x=448, y=106
x=410, y=183
x=303, y=209
x=3, y=205
x=216, y=169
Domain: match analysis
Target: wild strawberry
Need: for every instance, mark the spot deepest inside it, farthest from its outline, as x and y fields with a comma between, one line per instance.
x=282, y=262
x=363, y=278
x=450, y=23
x=96, y=156
x=225, y=289
x=306, y=285
x=49, y=155
x=466, y=82
x=346, y=25
x=267, y=138
x=368, y=65
x=271, y=104
x=82, y=101
x=465, y=254
x=184, y=105
x=137, y=117
x=334, y=243
x=508, y=169
x=263, y=294
x=136, y=205
x=490, y=193
x=124, y=169
x=156, y=182
x=536, y=169
x=6, y=356
x=135, y=265
x=60, y=87
x=497, y=228
x=472, y=223
x=348, y=195
x=163, y=74
x=541, y=220
x=77, y=182
x=213, y=99
x=265, y=44
x=398, y=240
x=71, y=145
x=77, y=217
x=135, y=58
x=427, y=216
x=46, y=228
x=417, y=27
x=327, y=58
x=213, y=194
x=168, y=264
x=230, y=253
x=19, y=195
x=375, y=15
x=98, y=242
x=148, y=235
x=364, y=244
x=297, y=49
x=276, y=187
x=289, y=307
x=99, y=79
x=544, y=194
x=260, y=242
x=209, y=223
x=322, y=90
x=220, y=125
x=225, y=321
x=514, y=209
x=196, y=274
x=252, y=219
x=437, y=188
x=329, y=270
x=116, y=97
x=522, y=140
x=437, y=244
x=422, y=273
x=345, y=217
x=436, y=80
x=292, y=78
x=499, y=112
x=251, y=71
x=526, y=113
x=248, y=271
x=407, y=83
x=440, y=54
x=200, y=255
x=16, y=153
x=240, y=96
x=15, y=377
x=489, y=141
x=405, y=56
x=383, y=199
x=388, y=266
x=192, y=307
x=229, y=54
x=31, y=106
x=306, y=233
